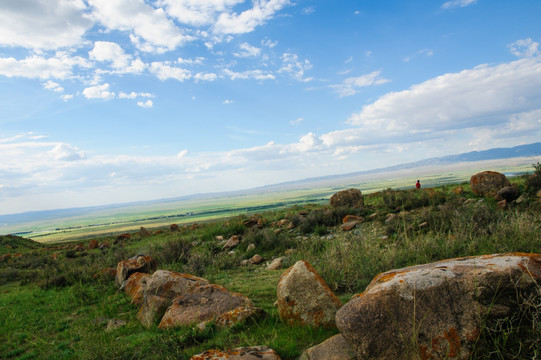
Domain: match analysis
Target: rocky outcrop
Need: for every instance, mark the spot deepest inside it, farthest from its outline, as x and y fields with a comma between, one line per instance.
x=140, y=263
x=436, y=311
x=201, y=304
x=135, y=287
x=245, y=353
x=335, y=348
x=304, y=297
x=162, y=287
x=350, y=198
x=488, y=183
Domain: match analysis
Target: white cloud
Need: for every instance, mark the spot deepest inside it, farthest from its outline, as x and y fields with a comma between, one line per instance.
x=150, y=29
x=525, y=48
x=53, y=86
x=351, y=85
x=164, y=71
x=66, y=152
x=227, y=102
x=294, y=67
x=120, y=61
x=132, y=95
x=145, y=104
x=249, y=74
x=197, y=61
x=43, y=24
x=296, y=121
x=247, y=50
x=308, y=10
x=66, y=97
x=35, y=67
x=423, y=52
x=248, y=20
x=197, y=12
x=205, y=77
x=182, y=154
x=98, y=92
x=457, y=3
x=269, y=43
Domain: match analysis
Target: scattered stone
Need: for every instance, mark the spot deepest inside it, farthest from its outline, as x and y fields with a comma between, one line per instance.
x=508, y=193
x=390, y=218
x=488, y=183
x=282, y=222
x=351, y=198
x=335, y=348
x=114, y=324
x=107, y=273
x=290, y=252
x=135, y=287
x=200, y=304
x=350, y=218
x=276, y=264
x=255, y=220
x=231, y=253
x=448, y=301
x=458, y=190
x=349, y=225
x=305, y=298
x=5, y=257
x=235, y=316
x=290, y=226
x=469, y=201
x=502, y=205
x=245, y=263
x=161, y=289
x=219, y=238
x=93, y=244
x=142, y=263
x=423, y=225
x=79, y=247
x=231, y=243
x=54, y=256
x=521, y=199
x=256, y=259
x=105, y=245
x=173, y=228
x=123, y=237
x=143, y=232
x=277, y=231
x=250, y=247
x=246, y=353
x=373, y=216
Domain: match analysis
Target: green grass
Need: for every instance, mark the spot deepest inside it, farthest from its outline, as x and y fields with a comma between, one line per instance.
x=55, y=308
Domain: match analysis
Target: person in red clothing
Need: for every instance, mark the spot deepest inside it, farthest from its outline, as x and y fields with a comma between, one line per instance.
x=418, y=185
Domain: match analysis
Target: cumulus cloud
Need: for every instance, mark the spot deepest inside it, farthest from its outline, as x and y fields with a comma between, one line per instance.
x=248, y=20
x=66, y=152
x=182, y=154
x=164, y=71
x=120, y=61
x=145, y=104
x=197, y=12
x=35, y=67
x=43, y=24
x=247, y=50
x=99, y=92
x=53, y=86
x=296, y=121
x=457, y=3
x=525, y=48
x=350, y=86
x=292, y=65
x=150, y=29
x=249, y=74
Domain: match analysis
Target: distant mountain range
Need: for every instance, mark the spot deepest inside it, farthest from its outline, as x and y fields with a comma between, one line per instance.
x=492, y=154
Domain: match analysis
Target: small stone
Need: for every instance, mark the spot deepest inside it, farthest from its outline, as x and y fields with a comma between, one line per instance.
x=114, y=324
x=250, y=247
x=256, y=259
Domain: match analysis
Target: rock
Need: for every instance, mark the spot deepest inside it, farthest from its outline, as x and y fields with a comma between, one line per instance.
x=335, y=348
x=219, y=238
x=441, y=307
x=390, y=218
x=283, y=222
x=231, y=253
x=93, y=244
x=143, y=232
x=521, y=199
x=250, y=247
x=135, y=287
x=255, y=220
x=256, y=259
x=502, y=205
x=246, y=353
x=123, y=237
x=349, y=225
x=245, y=263
x=458, y=190
x=304, y=297
x=114, y=324
x=231, y=243
x=143, y=264
x=351, y=198
x=105, y=245
x=79, y=247
x=202, y=303
x=508, y=193
x=423, y=225
x=235, y=316
x=275, y=264
x=290, y=252
x=173, y=227
x=350, y=218
x=5, y=257
x=373, y=216
x=107, y=273
x=488, y=183
x=162, y=287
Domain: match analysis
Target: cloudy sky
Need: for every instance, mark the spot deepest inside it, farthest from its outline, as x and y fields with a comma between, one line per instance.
x=107, y=101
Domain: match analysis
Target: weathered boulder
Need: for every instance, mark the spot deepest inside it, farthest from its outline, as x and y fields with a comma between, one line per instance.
x=135, y=287
x=144, y=232
x=104, y=245
x=256, y=259
x=335, y=348
x=173, y=227
x=141, y=263
x=201, y=304
x=508, y=193
x=459, y=190
x=350, y=198
x=231, y=243
x=123, y=237
x=236, y=316
x=93, y=244
x=437, y=310
x=488, y=183
x=107, y=273
x=245, y=353
x=305, y=298
x=162, y=287
x=276, y=264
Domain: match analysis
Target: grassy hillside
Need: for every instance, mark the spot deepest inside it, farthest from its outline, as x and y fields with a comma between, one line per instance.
x=52, y=306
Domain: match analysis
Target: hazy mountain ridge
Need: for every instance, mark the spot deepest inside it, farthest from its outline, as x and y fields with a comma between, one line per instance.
x=491, y=154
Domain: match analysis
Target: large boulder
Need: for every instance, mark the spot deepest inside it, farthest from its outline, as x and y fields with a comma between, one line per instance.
x=335, y=348
x=135, y=287
x=350, y=198
x=139, y=263
x=437, y=310
x=488, y=183
x=304, y=297
x=162, y=287
x=508, y=193
x=245, y=353
x=201, y=304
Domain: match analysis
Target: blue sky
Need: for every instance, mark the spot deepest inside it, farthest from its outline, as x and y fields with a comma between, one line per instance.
x=106, y=101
